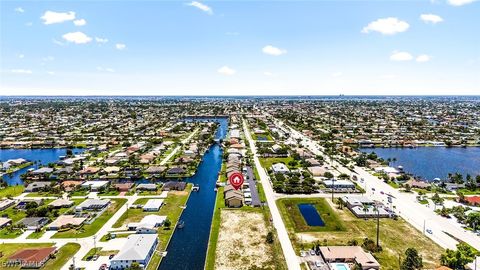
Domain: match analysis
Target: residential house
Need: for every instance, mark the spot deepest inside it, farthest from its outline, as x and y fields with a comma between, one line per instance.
x=138, y=248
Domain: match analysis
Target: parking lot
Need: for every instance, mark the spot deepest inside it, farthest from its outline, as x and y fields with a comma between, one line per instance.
x=315, y=262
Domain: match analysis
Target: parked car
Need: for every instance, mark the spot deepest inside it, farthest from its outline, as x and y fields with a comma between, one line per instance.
x=312, y=252
x=318, y=263
x=95, y=257
x=111, y=256
x=429, y=231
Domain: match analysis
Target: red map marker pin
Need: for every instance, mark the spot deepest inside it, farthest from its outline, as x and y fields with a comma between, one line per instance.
x=236, y=180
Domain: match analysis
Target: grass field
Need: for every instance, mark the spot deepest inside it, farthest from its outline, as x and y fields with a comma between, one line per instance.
x=295, y=221
x=134, y=215
x=268, y=162
x=63, y=255
x=214, y=230
x=12, y=191
x=90, y=229
x=395, y=237
x=9, y=249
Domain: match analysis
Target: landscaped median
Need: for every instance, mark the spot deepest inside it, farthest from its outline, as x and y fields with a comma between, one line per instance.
x=343, y=228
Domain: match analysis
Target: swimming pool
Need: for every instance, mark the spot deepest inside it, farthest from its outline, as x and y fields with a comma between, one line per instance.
x=310, y=214
x=339, y=266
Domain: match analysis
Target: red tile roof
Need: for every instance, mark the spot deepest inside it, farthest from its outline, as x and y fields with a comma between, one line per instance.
x=32, y=256
x=473, y=199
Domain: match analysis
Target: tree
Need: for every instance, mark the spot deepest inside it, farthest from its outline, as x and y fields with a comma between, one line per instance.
x=412, y=260
x=135, y=266
x=270, y=237
x=458, y=259
x=167, y=223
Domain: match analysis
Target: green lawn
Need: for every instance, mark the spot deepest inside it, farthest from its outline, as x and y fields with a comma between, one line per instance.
x=63, y=255
x=6, y=234
x=12, y=191
x=214, y=230
x=295, y=220
x=90, y=229
x=393, y=237
x=91, y=252
x=268, y=162
x=134, y=215
x=43, y=194
x=9, y=249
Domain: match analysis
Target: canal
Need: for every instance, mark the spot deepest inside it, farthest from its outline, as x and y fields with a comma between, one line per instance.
x=188, y=247
x=40, y=157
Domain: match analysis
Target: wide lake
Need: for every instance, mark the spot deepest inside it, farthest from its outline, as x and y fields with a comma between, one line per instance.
x=433, y=162
x=41, y=157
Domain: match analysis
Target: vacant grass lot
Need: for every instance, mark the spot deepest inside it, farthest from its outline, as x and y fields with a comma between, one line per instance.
x=395, y=237
x=90, y=229
x=63, y=255
x=134, y=215
x=268, y=162
x=11, y=191
x=296, y=222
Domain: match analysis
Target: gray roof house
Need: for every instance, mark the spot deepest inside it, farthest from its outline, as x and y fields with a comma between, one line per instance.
x=138, y=248
x=36, y=186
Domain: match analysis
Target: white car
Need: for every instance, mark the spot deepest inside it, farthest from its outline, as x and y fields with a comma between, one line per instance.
x=318, y=263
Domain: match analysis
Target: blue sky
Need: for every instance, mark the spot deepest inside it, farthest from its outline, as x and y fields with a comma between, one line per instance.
x=239, y=47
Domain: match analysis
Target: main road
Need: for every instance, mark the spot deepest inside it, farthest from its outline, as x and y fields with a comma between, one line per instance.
x=420, y=216
x=288, y=251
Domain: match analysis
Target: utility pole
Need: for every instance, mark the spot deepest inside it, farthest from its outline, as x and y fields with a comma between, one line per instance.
x=95, y=243
x=378, y=227
x=333, y=186
x=424, y=221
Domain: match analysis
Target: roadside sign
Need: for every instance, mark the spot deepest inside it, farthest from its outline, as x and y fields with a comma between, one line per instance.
x=236, y=180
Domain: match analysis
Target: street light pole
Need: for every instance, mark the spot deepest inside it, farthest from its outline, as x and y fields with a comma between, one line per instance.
x=333, y=186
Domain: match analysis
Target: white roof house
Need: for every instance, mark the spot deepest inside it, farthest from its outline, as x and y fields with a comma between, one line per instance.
x=149, y=222
x=153, y=205
x=138, y=248
x=95, y=185
x=92, y=204
x=280, y=168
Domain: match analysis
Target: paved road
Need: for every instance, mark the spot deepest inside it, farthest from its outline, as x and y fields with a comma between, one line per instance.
x=253, y=187
x=169, y=156
x=288, y=251
x=406, y=206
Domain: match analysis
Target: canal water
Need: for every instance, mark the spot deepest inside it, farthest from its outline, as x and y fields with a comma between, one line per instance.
x=188, y=247
x=433, y=162
x=39, y=156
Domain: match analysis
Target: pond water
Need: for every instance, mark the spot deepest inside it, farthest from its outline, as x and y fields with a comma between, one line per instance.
x=310, y=214
x=188, y=247
x=39, y=156
x=433, y=162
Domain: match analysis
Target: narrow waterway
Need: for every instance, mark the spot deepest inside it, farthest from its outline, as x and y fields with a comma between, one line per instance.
x=188, y=246
x=41, y=157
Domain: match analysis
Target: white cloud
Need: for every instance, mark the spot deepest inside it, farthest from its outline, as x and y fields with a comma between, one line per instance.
x=21, y=56
x=77, y=38
x=225, y=70
x=120, y=46
x=50, y=72
x=48, y=58
x=111, y=70
x=458, y=3
x=268, y=73
x=431, y=18
x=80, y=22
x=337, y=74
x=57, y=42
x=51, y=17
x=401, y=56
x=21, y=71
x=101, y=40
x=19, y=10
x=423, y=58
x=387, y=26
x=201, y=6
x=270, y=50
x=28, y=24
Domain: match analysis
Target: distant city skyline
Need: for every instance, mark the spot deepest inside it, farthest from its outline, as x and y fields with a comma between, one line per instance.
x=240, y=48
